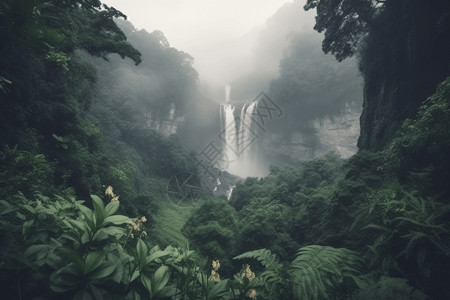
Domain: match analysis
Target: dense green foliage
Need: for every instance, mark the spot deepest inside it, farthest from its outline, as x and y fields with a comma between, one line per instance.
x=375, y=226
x=345, y=22
x=55, y=121
x=391, y=206
x=59, y=248
x=315, y=263
x=160, y=88
x=276, y=212
x=49, y=87
x=214, y=228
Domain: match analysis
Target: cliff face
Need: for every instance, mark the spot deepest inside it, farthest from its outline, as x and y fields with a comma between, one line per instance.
x=407, y=53
x=338, y=134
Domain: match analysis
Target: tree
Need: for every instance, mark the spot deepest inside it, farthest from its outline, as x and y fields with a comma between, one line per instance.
x=46, y=88
x=213, y=229
x=65, y=25
x=345, y=23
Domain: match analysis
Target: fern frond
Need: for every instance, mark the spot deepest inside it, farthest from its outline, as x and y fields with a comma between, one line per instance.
x=427, y=224
x=268, y=259
x=319, y=269
x=414, y=237
x=271, y=278
x=377, y=227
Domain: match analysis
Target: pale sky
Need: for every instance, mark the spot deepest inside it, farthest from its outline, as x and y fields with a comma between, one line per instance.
x=185, y=22
x=206, y=29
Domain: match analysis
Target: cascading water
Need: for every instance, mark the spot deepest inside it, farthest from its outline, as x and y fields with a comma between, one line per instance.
x=230, y=131
x=248, y=149
x=239, y=137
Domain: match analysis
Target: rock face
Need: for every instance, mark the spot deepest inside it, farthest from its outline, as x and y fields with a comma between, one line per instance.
x=337, y=134
x=166, y=126
x=407, y=54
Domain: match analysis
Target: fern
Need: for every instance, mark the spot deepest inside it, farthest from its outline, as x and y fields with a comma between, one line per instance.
x=268, y=259
x=271, y=278
x=317, y=270
x=416, y=225
x=422, y=223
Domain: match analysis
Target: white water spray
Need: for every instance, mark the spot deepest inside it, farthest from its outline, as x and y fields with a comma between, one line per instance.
x=240, y=135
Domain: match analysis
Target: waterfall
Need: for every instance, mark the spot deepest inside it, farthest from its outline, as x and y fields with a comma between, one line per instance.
x=248, y=148
x=230, y=134
x=239, y=137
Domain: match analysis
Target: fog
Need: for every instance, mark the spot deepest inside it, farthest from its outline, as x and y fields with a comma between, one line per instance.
x=227, y=39
x=180, y=85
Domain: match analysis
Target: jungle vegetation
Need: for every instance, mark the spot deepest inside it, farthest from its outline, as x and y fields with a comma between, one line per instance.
x=83, y=175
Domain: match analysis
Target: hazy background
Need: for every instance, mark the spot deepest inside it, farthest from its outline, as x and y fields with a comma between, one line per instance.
x=192, y=49
x=222, y=36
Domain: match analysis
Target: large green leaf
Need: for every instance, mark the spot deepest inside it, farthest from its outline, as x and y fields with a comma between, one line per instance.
x=93, y=261
x=146, y=282
x=111, y=208
x=88, y=216
x=160, y=279
x=107, y=232
x=141, y=249
x=106, y=269
x=79, y=224
x=118, y=220
x=219, y=289
x=99, y=210
x=156, y=255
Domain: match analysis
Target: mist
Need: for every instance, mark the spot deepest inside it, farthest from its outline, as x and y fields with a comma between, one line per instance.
x=182, y=93
x=250, y=61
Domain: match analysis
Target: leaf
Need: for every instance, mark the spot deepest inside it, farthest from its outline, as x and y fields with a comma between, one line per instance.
x=160, y=279
x=319, y=269
x=7, y=208
x=111, y=208
x=65, y=279
x=93, y=261
x=79, y=224
x=133, y=295
x=157, y=254
x=71, y=237
x=61, y=139
x=106, y=269
x=107, y=232
x=265, y=256
x=85, y=237
x=99, y=210
x=88, y=216
x=26, y=226
x=219, y=289
x=146, y=282
x=20, y=216
x=135, y=275
x=377, y=227
x=141, y=249
x=118, y=220
x=74, y=258
x=37, y=253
